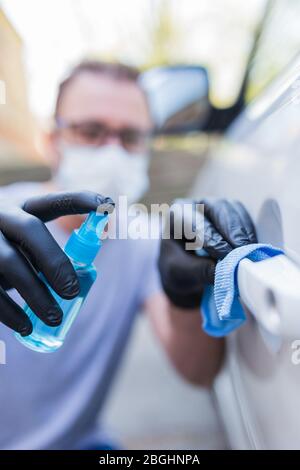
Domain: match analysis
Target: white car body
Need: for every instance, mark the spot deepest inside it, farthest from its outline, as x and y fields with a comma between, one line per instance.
x=258, y=163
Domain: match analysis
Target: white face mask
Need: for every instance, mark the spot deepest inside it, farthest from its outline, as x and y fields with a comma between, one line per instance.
x=109, y=170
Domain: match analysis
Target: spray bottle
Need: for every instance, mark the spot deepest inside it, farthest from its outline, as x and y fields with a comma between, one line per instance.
x=82, y=248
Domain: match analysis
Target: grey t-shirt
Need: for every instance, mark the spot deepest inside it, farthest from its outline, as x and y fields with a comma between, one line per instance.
x=51, y=401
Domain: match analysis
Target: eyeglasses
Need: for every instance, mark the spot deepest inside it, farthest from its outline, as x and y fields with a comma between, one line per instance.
x=95, y=133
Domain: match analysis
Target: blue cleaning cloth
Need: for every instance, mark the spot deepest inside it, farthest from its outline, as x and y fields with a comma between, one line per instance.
x=221, y=309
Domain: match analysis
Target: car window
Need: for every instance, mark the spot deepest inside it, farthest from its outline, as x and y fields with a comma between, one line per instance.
x=278, y=45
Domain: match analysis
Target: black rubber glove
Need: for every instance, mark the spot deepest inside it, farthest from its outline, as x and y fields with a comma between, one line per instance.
x=227, y=225
x=27, y=248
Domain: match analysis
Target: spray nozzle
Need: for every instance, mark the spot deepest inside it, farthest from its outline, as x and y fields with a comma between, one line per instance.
x=84, y=243
x=92, y=228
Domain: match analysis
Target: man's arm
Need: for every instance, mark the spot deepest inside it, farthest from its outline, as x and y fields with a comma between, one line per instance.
x=194, y=354
x=184, y=275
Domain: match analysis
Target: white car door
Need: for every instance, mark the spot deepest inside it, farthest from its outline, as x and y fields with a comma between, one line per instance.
x=258, y=163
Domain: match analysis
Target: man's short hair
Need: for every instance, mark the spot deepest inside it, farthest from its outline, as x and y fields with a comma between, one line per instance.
x=113, y=70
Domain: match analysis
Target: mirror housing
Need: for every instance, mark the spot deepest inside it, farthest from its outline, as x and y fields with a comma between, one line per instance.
x=178, y=98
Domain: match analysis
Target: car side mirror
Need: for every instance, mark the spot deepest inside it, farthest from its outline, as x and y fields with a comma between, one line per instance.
x=178, y=98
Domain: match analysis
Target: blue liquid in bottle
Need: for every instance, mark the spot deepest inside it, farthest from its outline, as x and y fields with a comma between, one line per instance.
x=82, y=248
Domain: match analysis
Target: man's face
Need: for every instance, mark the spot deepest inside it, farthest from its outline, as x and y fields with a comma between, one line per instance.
x=98, y=110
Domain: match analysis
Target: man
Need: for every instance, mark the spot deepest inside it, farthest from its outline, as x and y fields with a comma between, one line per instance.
x=99, y=143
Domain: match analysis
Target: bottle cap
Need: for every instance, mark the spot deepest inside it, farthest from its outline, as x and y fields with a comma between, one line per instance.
x=85, y=242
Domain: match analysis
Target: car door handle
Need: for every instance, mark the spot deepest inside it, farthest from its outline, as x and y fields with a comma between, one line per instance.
x=270, y=289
